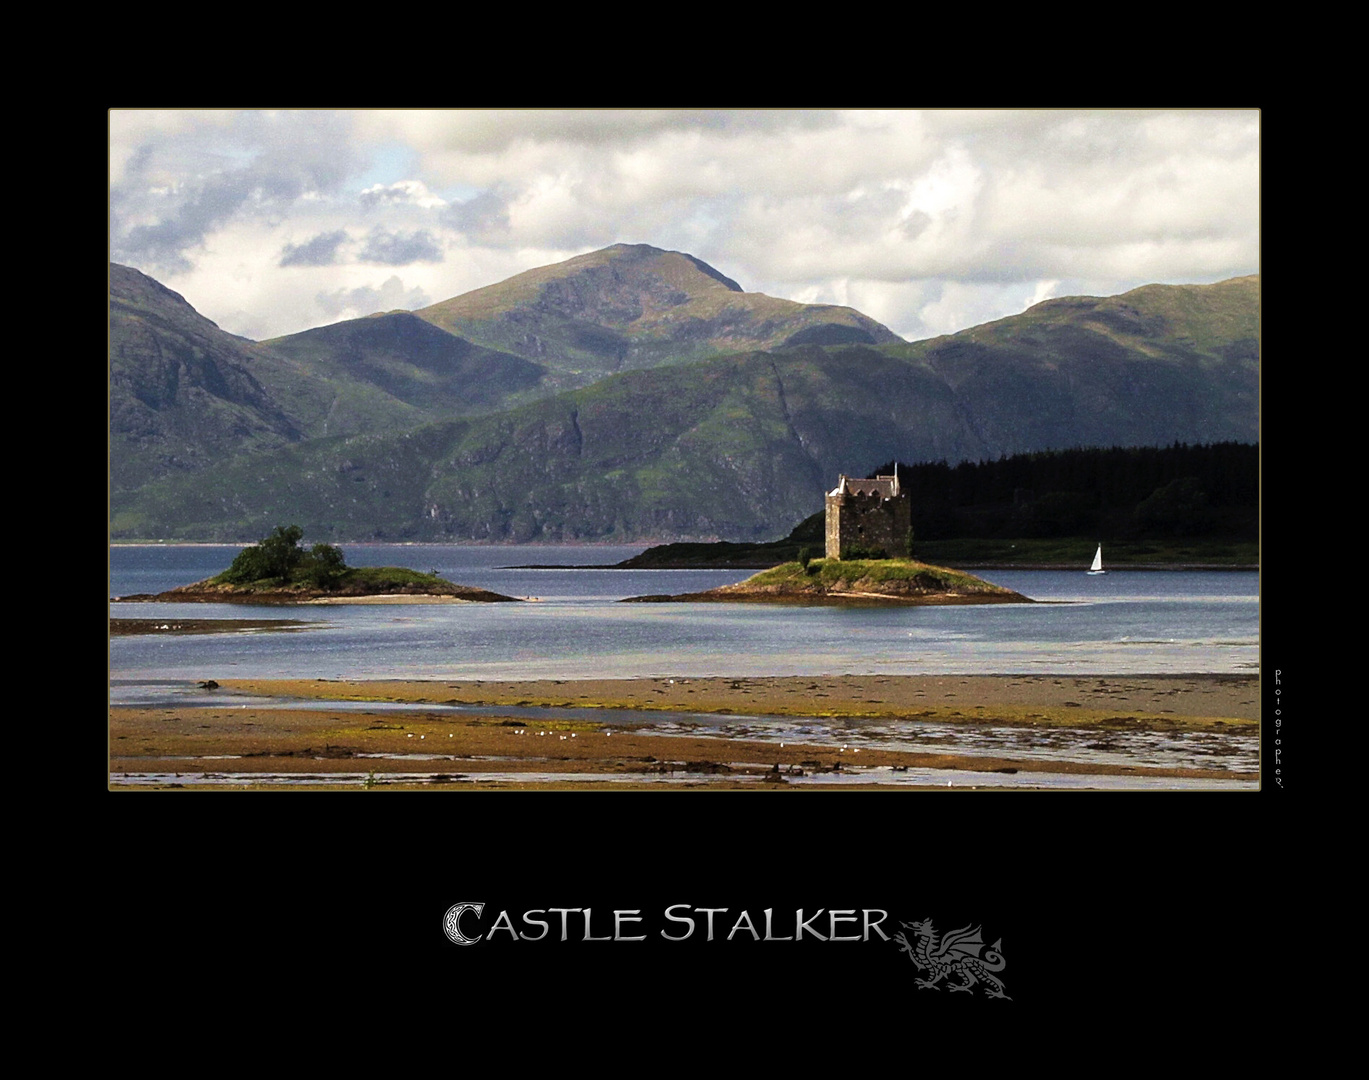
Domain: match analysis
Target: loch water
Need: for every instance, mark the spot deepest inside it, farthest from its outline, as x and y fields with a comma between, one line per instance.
x=1122, y=622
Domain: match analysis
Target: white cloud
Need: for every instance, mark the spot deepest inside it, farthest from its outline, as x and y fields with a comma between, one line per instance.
x=414, y=192
x=1043, y=290
x=932, y=217
x=356, y=303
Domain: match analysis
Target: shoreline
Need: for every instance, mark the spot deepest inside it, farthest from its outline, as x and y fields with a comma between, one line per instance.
x=129, y=627
x=252, y=746
x=853, y=598
x=1197, y=700
x=960, y=565
x=303, y=598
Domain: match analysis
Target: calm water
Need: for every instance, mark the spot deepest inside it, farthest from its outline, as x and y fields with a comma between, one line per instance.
x=1120, y=623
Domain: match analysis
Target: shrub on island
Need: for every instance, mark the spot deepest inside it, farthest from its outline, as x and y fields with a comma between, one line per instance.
x=280, y=559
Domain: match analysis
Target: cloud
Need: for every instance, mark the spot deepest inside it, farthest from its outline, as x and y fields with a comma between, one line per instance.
x=935, y=215
x=483, y=217
x=366, y=300
x=493, y=131
x=320, y=251
x=183, y=176
x=400, y=249
x=411, y=192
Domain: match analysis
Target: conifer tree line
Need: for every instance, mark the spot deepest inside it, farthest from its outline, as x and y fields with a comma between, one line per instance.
x=1207, y=490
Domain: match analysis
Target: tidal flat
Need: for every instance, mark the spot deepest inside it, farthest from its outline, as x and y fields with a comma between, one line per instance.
x=781, y=733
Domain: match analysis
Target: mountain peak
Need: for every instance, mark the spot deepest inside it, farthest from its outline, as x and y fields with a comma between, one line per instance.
x=633, y=306
x=664, y=258
x=625, y=279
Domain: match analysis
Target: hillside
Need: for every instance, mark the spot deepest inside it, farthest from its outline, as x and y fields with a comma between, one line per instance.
x=738, y=447
x=185, y=396
x=182, y=392
x=1155, y=365
x=635, y=306
x=414, y=362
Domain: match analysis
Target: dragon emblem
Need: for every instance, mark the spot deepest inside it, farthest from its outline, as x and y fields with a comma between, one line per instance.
x=960, y=953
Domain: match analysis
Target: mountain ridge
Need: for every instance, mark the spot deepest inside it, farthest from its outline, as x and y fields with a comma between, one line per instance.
x=371, y=429
x=630, y=306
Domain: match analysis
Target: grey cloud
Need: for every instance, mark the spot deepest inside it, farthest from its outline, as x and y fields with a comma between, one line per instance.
x=379, y=196
x=367, y=300
x=320, y=251
x=485, y=215
x=400, y=249
x=187, y=186
x=185, y=217
x=487, y=132
x=916, y=224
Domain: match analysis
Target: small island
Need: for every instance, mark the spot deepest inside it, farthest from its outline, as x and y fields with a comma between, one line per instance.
x=279, y=571
x=848, y=581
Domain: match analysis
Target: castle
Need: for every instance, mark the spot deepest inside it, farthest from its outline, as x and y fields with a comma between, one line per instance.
x=868, y=516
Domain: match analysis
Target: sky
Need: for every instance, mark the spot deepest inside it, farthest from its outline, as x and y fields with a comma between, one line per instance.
x=270, y=223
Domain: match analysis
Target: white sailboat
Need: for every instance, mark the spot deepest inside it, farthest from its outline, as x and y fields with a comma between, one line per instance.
x=1097, y=567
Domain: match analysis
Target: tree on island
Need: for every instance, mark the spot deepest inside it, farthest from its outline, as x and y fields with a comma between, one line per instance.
x=280, y=558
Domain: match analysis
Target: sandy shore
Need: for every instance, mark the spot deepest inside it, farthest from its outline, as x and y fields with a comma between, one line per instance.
x=388, y=598
x=444, y=747
x=1071, y=701
x=127, y=627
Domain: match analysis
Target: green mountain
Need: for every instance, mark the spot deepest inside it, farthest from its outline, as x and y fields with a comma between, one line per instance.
x=182, y=393
x=737, y=446
x=184, y=396
x=1155, y=365
x=415, y=362
x=634, y=306
x=720, y=448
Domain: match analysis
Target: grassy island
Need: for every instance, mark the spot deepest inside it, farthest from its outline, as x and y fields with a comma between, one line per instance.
x=353, y=583
x=858, y=580
x=279, y=571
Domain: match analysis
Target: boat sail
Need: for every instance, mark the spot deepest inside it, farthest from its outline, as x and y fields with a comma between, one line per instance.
x=1097, y=567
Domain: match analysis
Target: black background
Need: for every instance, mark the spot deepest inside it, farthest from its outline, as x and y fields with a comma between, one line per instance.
x=1103, y=903
x=1130, y=914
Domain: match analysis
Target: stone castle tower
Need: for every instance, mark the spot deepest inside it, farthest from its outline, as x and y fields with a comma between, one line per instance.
x=868, y=515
